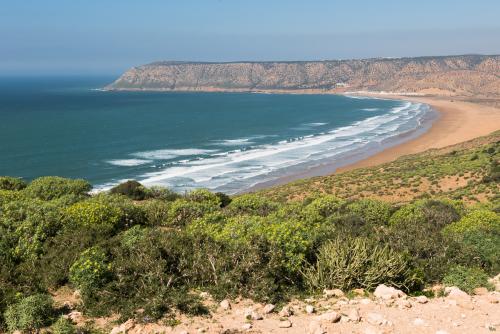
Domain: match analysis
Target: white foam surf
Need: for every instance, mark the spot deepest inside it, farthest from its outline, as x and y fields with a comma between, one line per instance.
x=128, y=162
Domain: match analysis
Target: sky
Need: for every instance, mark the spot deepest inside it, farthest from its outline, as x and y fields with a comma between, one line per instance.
x=110, y=36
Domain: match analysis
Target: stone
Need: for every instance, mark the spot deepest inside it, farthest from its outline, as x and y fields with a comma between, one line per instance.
x=246, y=327
x=359, y=292
x=285, y=324
x=225, y=305
x=365, y=301
x=375, y=319
x=422, y=299
x=286, y=311
x=204, y=295
x=465, y=304
x=309, y=309
x=123, y=328
x=75, y=316
x=202, y=330
x=441, y=332
x=329, y=317
x=454, y=292
x=371, y=330
x=419, y=322
x=183, y=332
x=480, y=291
x=386, y=292
x=315, y=328
x=333, y=293
x=353, y=315
x=269, y=308
x=495, y=281
x=403, y=304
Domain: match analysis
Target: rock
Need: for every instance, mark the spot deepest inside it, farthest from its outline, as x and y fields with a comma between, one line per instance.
x=353, y=315
x=493, y=298
x=329, y=317
x=342, y=302
x=371, y=330
x=123, y=328
x=285, y=324
x=376, y=319
x=246, y=327
x=386, y=292
x=359, y=292
x=480, y=291
x=183, y=332
x=286, y=311
x=315, y=328
x=204, y=295
x=75, y=316
x=344, y=319
x=225, y=305
x=419, y=322
x=441, y=332
x=309, y=309
x=454, y=292
x=465, y=304
x=403, y=304
x=422, y=299
x=269, y=308
x=495, y=281
x=365, y=301
x=333, y=293
x=202, y=330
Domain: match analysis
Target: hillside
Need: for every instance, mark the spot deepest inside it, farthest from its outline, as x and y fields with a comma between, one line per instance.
x=465, y=75
x=157, y=261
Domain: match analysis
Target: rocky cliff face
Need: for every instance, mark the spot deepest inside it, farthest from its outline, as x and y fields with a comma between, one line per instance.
x=450, y=75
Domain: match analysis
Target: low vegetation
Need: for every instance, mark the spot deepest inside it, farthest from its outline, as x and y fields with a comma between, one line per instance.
x=150, y=249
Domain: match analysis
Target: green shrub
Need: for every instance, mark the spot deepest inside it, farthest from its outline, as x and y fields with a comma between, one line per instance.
x=11, y=183
x=410, y=213
x=323, y=207
x=224, y=199
x=162, y=193
x=51, y=187
x=133, y=236
x=94, y=214
x=252, y=204
x=30, y=313
x=359, y=263
x=156, y=212
x=467, y=279
x=204, y=196
x=182, y=212
x=90, y=271
x=371, y=211
x=131, y=189
x=478, y=220
x=7, y=196
x=63, y=326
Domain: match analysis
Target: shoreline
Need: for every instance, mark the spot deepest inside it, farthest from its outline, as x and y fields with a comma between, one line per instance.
x=458, y=121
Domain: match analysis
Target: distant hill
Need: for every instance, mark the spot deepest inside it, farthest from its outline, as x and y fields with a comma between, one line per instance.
x=466, y=75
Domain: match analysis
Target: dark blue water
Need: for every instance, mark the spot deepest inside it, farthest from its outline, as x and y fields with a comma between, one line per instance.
x=224, y=141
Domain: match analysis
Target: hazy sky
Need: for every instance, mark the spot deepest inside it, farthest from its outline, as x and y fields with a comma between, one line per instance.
x=108, y=36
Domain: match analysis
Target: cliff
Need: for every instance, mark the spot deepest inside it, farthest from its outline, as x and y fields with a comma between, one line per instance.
x=448, y=75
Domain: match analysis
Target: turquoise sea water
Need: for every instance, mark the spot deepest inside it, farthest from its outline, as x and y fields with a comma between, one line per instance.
x=221, y=141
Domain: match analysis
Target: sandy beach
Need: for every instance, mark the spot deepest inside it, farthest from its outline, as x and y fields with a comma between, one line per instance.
x=459, y=121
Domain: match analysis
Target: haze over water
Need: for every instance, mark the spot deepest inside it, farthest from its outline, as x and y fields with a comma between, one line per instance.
x=221, y=141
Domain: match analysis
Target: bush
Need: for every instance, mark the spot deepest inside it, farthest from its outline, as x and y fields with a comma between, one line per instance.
x=204, y=196
x=182, y=212
x=252, y=204
x=156, y=212
x=7, y=196
x=359, y=263
x=11, y=183
x=372, y=211
x=90, y=271
x=30, y=313
x=50, y=187
x=224, y=199
x=478, y=220
x=63, y=326
x=467, y=279
x=131, y=189
x=94, y=214
x=410, y=213
x=162, y=193
x=323, y=207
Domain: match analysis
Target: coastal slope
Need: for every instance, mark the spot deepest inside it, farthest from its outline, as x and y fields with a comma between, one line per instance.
x=466, y=75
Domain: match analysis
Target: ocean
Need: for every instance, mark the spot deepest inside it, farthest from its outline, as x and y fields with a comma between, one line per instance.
x=228, y=142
